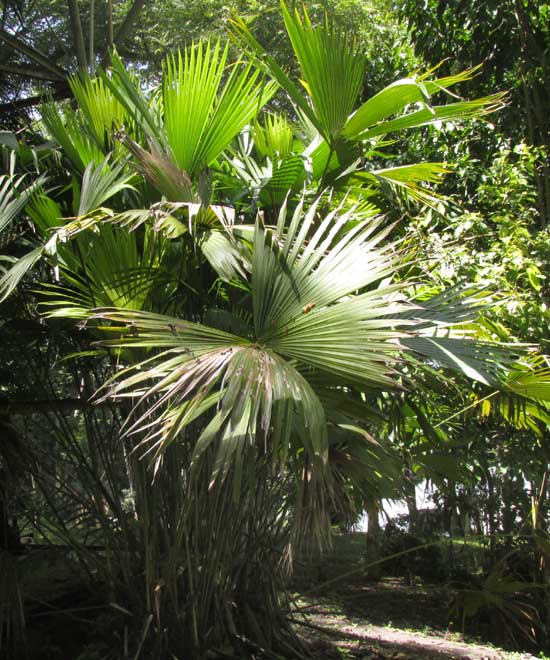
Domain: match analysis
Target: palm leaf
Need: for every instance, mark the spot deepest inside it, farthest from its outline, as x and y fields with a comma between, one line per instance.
x=245, y=39
x=288, y=175
x=77, y=144
x=259, y=390
x=160, y=170
x=348, y=335
x=409, y=178
x=201, y=117
x=102, y=111
x=126, y=89
x=190, y=90
x=14, y=196
x=100, y=183
x=209, y=226
x=275, y=139
x=11, y=278
x=395, y=98
x=484, y=362
x=432, y=115
x=45, y=212
x=332, y=68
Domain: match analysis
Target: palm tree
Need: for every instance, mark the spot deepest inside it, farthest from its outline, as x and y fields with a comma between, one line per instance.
x=244, y=340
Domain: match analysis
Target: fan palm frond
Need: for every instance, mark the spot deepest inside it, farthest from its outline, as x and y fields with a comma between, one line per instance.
x=102, y=111
x=332, y=67
x=77, y=144
x=201, y=116
x=126, y=88
x=14, y=195
x=100, y=183
x=275, y=138
x=262, y=397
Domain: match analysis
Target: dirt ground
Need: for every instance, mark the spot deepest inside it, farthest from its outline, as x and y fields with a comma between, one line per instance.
x=352, y=634
x=357, y=618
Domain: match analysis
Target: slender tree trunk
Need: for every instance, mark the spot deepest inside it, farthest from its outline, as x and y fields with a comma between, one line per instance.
x=542, y=567
x=374, y=541
x=508, y=516
x=91, y=50
x=410, y=498
x=491, y=513
x=77, y=34
x=110, y=33
x=535, y=109
x=466, y=512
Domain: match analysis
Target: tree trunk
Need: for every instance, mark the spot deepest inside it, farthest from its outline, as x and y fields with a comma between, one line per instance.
x=374, y=541
x=508, y=515
x=78, y=35
x=491, y=513
x=128, y=21
x=410, y=498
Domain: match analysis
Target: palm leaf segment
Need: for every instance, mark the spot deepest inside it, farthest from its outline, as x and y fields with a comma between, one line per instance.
x=14, y=195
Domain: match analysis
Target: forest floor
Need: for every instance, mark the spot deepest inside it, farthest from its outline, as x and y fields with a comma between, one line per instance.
x=339, y=612
x=356, y=618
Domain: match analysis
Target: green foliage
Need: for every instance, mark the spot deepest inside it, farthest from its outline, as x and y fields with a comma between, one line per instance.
x=505, y=598
x=512, y=38
x=417, y=556
x=223, y=277
x=503, y=250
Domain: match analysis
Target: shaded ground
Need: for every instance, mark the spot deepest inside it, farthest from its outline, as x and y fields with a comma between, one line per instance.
x=389, y=618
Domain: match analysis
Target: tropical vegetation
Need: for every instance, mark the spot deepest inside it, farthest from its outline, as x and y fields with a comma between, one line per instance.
x=240, y=304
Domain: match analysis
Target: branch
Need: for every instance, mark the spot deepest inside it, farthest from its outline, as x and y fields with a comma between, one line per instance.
x=32, y=53
x=126, y=24
x=29, y=407
x=123, y=29
x=32, y=101
x=27, y=72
